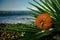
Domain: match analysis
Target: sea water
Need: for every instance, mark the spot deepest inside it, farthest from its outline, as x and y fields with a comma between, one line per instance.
x=14, y=19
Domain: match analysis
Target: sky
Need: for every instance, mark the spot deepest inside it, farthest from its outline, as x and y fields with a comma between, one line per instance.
x=15, y=4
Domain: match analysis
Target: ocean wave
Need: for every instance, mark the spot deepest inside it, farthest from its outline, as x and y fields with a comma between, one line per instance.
x=16, y=19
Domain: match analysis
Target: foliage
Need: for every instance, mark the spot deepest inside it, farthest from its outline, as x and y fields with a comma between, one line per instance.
x=52, y=8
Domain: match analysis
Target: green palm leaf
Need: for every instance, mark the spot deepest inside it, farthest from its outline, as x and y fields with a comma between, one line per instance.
x=40, y=9
x=34, y=10
x=51, y=7
x=25, y=28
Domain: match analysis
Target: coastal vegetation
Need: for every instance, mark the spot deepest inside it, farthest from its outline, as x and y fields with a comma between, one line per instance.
x=31, y=31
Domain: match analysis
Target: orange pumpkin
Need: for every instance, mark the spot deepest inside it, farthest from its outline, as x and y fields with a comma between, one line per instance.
x=43, y=21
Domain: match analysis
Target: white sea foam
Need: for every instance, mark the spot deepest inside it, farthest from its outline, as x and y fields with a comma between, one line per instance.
x=16, y=19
